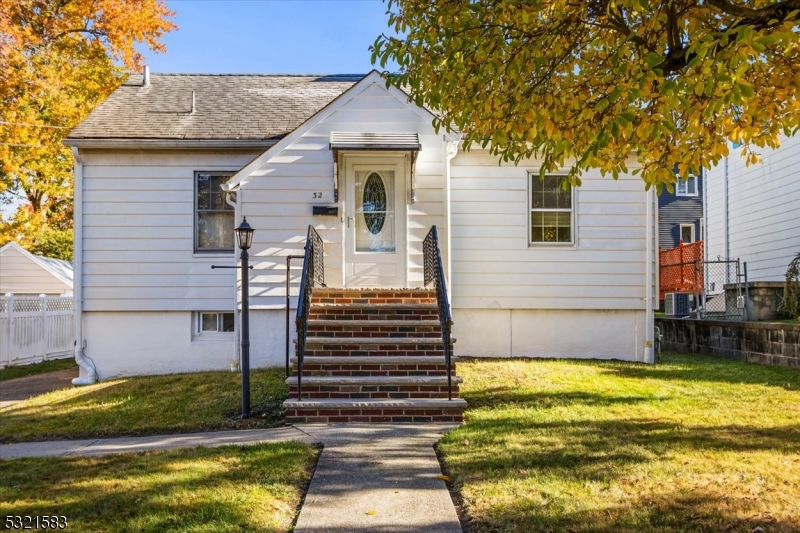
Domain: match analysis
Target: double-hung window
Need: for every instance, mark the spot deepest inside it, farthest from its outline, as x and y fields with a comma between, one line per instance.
x=686, y=188
x=552, y=206
x=214, y=217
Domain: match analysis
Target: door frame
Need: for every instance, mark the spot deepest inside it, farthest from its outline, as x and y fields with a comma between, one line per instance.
x=400, y=161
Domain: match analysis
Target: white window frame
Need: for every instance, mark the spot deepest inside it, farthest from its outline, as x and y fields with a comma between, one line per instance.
x=534, y=175
x=680, y=233
x=686, y=188
x=196, y=227
x=197, y=321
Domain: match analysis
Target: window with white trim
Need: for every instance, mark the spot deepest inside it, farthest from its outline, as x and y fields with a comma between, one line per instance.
x=214, y=217
x=209, y=323
x=552, y=210
x=687, y=233
x=686, y=188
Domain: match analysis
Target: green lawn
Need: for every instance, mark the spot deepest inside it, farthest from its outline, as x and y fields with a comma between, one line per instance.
x=214, y=490
x=692, y=444
x=148, y=405
x=13, y=372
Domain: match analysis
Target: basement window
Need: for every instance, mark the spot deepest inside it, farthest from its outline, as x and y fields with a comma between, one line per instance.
x=210, y=323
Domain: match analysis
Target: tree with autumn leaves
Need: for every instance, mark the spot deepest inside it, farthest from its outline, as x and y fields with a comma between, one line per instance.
x=585, y=84
x=58, y=60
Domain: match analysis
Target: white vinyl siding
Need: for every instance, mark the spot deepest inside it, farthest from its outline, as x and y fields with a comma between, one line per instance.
x=279, y=195
x=763, y=224
x=138, y=232
x=494, y=267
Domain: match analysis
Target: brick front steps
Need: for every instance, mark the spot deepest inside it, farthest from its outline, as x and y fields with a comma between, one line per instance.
x=374, y=355
x=334, y=410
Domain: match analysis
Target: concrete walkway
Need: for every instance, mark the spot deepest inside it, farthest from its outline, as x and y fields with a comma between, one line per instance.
x=370, y=478
x=377, y=478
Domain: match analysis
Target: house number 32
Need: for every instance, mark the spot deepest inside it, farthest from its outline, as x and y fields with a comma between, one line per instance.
x=316, y=195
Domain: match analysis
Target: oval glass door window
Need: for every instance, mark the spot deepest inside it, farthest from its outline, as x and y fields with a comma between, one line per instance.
x=374, y=197
x=374, y=203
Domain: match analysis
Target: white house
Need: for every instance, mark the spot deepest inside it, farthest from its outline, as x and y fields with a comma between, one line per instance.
x=532, y=271
x=752, y=212
x=24, y=273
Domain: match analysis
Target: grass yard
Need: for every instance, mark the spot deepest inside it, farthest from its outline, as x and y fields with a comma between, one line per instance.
x=149, y=405
x=215, y=490
x=692, y=444
x=13, y=372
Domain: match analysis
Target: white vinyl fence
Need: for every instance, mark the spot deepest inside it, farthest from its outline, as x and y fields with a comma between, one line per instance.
x=35, y=329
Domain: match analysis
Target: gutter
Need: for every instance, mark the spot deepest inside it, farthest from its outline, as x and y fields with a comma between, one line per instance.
x=260, y=144
x=88, y=372
x=237, y=215
x=649, y=319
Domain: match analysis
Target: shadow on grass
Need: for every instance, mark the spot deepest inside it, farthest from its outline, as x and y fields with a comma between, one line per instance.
x=666, y=513
x=146, y=406
x=221, y=489
x=511, y=397
x=704, y=368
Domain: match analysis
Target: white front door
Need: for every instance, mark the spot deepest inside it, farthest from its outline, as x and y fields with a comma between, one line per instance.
x=375, y=222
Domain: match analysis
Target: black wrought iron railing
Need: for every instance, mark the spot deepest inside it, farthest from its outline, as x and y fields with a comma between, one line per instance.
x=433, y=273
x=313, y=276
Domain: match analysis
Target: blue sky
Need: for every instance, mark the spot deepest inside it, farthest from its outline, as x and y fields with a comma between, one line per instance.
x=271, y=36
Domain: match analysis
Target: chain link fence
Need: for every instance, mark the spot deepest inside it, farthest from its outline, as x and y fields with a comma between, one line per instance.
x=691, y=286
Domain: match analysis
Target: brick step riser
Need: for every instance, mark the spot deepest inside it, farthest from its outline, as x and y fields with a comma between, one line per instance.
x=364, y=392
x=315, y=300
x=372, y=314
x=374, y=351
x=333, y=296
x=325, y=416
x=375, y=329
x=375, y=334
x=356, y=370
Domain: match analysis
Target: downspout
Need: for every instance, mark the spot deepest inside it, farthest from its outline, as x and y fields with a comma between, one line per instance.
x=649, y=319
x=229, y=199
x=88, y=372
x=727, y=217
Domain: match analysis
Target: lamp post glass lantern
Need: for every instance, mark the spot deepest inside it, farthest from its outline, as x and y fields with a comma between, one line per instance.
x=244, y=236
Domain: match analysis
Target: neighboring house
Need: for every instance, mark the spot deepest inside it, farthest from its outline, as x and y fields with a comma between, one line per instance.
x=532, y=270
x=680, y=213
x=24, y=274
x=753, y=213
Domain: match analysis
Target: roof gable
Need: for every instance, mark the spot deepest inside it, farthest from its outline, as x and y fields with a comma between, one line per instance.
x=58, y=268
x=373, y=78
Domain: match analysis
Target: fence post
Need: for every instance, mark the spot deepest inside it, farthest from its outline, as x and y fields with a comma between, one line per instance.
x=9, y=328
x=43, y=336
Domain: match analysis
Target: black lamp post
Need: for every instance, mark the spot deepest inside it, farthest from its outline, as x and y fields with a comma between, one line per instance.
x=244, y=237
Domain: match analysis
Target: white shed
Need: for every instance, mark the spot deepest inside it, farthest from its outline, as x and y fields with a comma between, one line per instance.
x=24, y=273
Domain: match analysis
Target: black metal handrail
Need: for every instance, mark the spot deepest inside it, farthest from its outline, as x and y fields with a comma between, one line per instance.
x=434, y=273
x=313, y=276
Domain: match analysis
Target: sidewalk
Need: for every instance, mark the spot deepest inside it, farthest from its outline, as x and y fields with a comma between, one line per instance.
x=369, y=478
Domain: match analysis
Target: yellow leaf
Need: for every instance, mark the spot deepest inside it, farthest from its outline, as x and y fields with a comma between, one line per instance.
x=444, y=478
x=371, y=512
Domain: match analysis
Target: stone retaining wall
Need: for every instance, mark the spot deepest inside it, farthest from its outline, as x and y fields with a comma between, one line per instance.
x=756, y=342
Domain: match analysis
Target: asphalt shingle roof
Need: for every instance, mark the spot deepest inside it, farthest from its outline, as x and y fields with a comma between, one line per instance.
x=227, y=106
